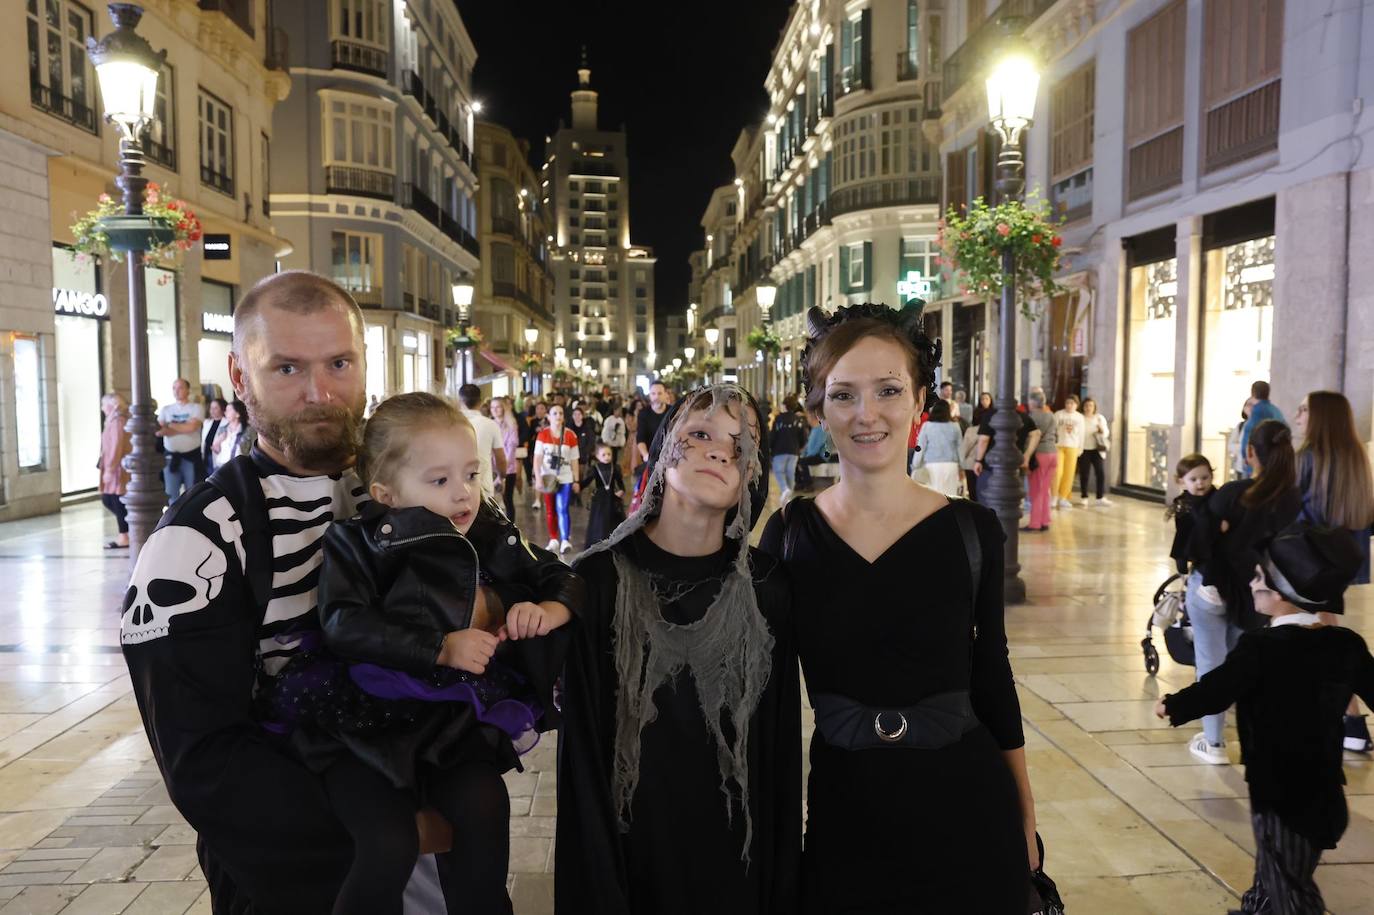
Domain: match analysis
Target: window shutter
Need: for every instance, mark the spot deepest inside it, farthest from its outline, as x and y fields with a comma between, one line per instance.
x=956, y=188
x=844, y=269
x=827, y=78
x=865, y=48
x=868, y=266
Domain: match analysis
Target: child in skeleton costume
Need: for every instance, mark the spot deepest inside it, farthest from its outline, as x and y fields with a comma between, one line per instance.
x=416, y=697
x=679, y=773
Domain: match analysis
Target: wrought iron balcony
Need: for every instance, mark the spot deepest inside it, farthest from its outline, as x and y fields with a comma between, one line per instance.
x=363, y=182
x=73, y=111
x=503, y=225
x=1242, y=127
x=239, y=12
x=416, y=199
x=220, y=182
x=875, y=194
x=349, y=55
x=278, y=50
x=156, y=152
x=908, y=65
x=978, y=48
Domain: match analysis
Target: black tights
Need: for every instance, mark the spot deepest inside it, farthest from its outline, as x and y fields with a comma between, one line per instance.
x=381, y=820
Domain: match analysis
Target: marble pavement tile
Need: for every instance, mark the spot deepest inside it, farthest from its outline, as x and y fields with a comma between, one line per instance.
x=41, y=900
x=104, y=899
x=169, y=862
x=1188, y=782
x=532, y=894
x=23, y=829
x=1158, y=894
x=1113, y=716
x=166, y=898
x=1346, y=888
x=111, y=863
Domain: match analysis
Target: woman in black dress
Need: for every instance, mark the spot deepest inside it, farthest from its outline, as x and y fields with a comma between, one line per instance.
x=918, y=799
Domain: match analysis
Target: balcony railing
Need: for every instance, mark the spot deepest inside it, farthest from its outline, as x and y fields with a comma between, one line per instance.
x=908, y=65
x=363, y=182
x=349, y=55
x=74, y=112
x=979, y=48
x=211, y=178
x=368, y=298
x=417, y=200
x=156, y=152
x=896, y=192
x=278, y=50
x=1242, y=127
x=1072, y=197
x=854, y=78
x=240, y=12
x=1155, y=165
x=414, y=86
x=504, y=225
x=593, y=167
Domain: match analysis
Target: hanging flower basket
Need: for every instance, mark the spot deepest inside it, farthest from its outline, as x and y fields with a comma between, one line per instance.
x=761, y=338
x=711, y=365
x=533, y=362
x=972, y=243
x=459, y=340
x=167, y=228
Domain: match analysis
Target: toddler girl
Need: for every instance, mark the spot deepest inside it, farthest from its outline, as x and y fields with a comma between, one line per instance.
x=432, y=678
x=607, y=510
x=1194, y=474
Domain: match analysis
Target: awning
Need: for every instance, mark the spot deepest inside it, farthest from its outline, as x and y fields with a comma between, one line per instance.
x=497, y=362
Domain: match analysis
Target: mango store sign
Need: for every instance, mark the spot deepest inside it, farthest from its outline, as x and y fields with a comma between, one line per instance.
x=80, y=304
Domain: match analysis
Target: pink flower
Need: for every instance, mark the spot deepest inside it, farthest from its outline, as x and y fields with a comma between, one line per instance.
x=1003, y=229
x=104, y=198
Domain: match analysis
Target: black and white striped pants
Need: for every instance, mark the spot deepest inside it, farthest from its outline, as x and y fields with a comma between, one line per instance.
x=1285, y=863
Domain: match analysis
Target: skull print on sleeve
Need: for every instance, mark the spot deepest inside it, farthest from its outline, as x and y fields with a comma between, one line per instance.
x=189, y=630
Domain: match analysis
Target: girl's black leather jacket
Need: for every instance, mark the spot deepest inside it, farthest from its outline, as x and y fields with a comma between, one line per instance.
x=395, y=581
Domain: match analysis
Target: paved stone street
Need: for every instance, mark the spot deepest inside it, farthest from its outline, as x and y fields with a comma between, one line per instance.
x=1131, y=823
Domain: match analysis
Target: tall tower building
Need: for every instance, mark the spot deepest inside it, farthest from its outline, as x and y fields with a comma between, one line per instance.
x=603, y=282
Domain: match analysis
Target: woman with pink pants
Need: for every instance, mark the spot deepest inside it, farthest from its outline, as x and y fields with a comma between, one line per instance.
x=1044, y=448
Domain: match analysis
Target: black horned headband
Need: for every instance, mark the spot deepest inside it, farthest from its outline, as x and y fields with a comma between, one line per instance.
x=907, y=320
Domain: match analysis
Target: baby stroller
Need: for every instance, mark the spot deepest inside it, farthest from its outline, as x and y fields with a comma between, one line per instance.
x=1170, y=614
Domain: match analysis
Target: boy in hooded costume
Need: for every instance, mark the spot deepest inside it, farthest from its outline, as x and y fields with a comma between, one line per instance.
x=679, y=781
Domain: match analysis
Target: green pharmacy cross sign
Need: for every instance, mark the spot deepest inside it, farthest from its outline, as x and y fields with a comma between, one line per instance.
x=915, y=287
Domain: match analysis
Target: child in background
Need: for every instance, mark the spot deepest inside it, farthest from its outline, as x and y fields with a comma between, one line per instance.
x=1194, y=474
x=1290, y=683
x=434, y=675
x=607, y=509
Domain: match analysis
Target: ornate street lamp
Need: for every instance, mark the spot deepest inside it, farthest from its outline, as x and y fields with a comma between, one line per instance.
x=712, y=334
x=689, y=352
x=463, y=290
x=531, y=337
x=767, y=294
x=128, y=70
x=1011, y=86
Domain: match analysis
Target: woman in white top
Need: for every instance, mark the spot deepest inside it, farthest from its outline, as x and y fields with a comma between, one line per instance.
x=1097, y=440
x=1069, y=425
x=209, y=431
x=556, y=476
x=614, y=433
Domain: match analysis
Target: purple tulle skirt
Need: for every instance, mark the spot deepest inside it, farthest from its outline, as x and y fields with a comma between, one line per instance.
x=365, y=700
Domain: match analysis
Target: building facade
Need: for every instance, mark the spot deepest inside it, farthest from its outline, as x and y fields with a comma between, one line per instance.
x=61, y=318
x=603, y=282
x=383, y=200
x=1206, y=158
x=515, y=289
x=837, y=193
x=713, y=293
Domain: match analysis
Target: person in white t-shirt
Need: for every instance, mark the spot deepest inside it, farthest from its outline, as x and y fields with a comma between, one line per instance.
x=490, y=447
x=1069, y=424
x=179, y=424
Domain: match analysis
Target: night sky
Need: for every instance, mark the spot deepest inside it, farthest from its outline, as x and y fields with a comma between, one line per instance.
x=683, y=79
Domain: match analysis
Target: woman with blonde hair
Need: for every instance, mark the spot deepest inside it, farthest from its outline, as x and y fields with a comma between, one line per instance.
x=115, y=443
x=1337, y=491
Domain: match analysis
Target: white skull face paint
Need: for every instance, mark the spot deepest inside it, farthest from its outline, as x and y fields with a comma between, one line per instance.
x=179, y=571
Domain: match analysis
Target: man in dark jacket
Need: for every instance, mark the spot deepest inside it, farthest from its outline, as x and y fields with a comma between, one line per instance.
x=201, y=629
x=1290, y=682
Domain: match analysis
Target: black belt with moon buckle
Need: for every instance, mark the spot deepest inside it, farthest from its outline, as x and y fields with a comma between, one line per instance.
x=934, y=722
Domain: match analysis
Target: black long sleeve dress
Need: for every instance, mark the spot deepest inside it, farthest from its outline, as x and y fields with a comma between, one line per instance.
x=682, y=854
x=897, y=829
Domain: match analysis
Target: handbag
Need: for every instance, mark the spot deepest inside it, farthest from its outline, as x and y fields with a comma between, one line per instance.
x=547, y=481
x=1044, y=896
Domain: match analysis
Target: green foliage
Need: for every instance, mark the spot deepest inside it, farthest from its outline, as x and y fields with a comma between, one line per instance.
x=972, y=245
x=91, y=240
x=761, y=338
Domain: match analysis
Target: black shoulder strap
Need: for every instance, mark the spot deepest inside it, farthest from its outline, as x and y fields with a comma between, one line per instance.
x=963, y=514
x=238, y=482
